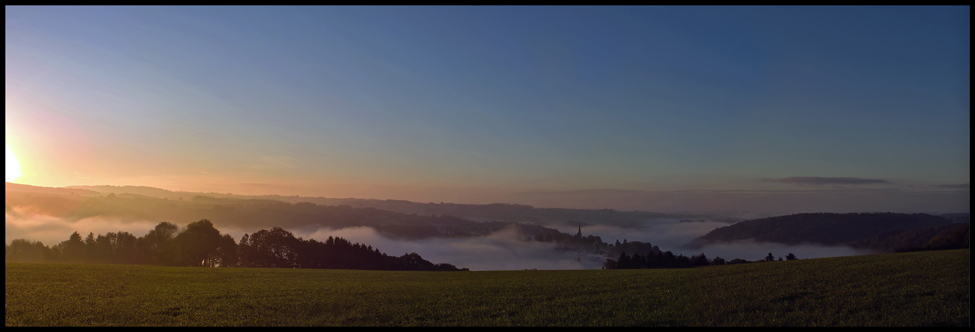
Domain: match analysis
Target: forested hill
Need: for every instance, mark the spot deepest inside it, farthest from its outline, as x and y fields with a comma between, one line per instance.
x=200, y=244
x=821, y=228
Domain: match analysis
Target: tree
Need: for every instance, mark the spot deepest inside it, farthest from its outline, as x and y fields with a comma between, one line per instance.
x=637, y=261
x=737, y=261
x=245, y=253
x=700, y=260
x=790, y=257
x=683, y=261
x=414, y=262
x=159, y=244
x=102, y=249
x=27, y=251
x=269, y=248
x=125, y=248
x=73, y=250
x=90, y=247
x=623, y=262
x=197, y=245
x=769, y=258
x=609, y=264
x=717, y=261
x=668, y=260
x=226, y=252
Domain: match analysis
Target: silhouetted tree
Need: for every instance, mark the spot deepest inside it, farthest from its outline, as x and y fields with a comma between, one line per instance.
x=73, y=250
x=160, y=245
x=637, y=261
x=623, y=262
x=609, y=264
x=668, y=260
x=246, y=256
x=270, y=248
x=27, y=251
x=737, y=261
x=700, y=260
x=790, y=257
x=125, y=248
x=197, y=245
x=103, y=248
x=717, y=261
x=90, y=247
x=226, y=252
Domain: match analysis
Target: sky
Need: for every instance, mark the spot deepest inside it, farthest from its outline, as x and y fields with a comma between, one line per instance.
x=864, y=107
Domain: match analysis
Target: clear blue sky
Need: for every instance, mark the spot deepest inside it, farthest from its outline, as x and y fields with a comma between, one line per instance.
x=330, y=100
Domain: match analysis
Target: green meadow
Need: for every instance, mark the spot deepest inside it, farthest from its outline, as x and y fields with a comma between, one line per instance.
x=904, y=289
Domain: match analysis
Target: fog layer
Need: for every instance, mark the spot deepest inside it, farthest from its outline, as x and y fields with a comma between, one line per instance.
x=502, y=250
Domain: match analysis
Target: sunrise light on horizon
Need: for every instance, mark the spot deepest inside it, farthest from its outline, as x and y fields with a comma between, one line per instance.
x=13, y=166
x=493, y=104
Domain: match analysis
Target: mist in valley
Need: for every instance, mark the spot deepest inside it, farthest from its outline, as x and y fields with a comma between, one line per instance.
x=506, y=249
x=672, y=235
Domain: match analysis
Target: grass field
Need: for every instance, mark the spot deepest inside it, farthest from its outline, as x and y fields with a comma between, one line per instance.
x=905, y=289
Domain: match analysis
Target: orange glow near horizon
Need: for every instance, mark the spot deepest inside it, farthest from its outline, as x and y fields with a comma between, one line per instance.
x=13, y=166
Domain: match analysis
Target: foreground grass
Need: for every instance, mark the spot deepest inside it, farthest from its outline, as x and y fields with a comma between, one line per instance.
x=906, y=289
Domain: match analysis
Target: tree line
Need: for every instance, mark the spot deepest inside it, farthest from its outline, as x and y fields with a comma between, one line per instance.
x=667, y=260
x=948, y=237
x=200, y=244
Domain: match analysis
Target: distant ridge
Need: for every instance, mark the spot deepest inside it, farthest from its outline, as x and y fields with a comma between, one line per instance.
x=479, y=212
x=821, y=228
x=138, y=190
x=16, y=187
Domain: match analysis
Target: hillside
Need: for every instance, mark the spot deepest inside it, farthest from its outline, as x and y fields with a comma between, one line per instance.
x=951, y=236
x=821, y=228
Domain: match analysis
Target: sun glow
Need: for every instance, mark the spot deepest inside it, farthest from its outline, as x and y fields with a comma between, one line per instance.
x=13, y=166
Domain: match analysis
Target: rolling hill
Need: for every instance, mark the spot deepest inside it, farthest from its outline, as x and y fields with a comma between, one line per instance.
x=865, y=230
